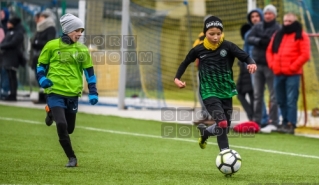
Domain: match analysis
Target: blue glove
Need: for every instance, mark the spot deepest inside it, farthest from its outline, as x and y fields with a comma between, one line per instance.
x=45, y=83
x=93, y=99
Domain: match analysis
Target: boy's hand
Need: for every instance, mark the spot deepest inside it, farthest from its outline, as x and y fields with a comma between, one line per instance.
x=179, y=83
x=252, y=68
x=93, y=98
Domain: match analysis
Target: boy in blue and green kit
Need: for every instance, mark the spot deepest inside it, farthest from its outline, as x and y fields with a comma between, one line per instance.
x=60, y=69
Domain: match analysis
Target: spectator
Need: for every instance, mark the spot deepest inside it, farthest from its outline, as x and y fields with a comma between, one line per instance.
x=36, y=20
x=254, y=17
x=4, y=14
x=11, y=54
x=244, y=83
x=288, y=51
x=46, y=31
x=4, y=85
x=1, y=33
x=259, y=37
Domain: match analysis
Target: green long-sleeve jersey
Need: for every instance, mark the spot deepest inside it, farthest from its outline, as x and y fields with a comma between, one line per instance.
x=215, y=68
x=66, y=63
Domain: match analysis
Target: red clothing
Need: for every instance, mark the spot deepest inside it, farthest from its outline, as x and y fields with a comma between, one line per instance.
x=292, y=55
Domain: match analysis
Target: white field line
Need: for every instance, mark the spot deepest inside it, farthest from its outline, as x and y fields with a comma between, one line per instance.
x=160, y=137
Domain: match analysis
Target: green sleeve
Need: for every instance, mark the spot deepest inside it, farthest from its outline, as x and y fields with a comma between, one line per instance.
x=88, y=62
x=45, y=55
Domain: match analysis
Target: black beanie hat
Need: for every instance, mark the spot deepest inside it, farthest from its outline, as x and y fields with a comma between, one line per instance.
x=15, y=21
x=213, y=21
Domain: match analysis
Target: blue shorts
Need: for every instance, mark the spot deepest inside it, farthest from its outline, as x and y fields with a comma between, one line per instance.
x=68, y=103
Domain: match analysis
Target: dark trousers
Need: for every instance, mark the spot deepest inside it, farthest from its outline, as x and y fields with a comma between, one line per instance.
x=13, y=82
x=248, y=106
x=65, y=124
x=220, y=110
x=287, y=93
x=4, y=85
x=264, y=76
x=64, y=111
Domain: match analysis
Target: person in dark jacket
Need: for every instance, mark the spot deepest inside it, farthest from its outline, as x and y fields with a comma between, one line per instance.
x=2, y=71
x=253, y=17
x=4, y=82
x=46, y=31
x=11, y=54
x=244, y=83
x=259, y=37
x=2, y=35
x=4, y=14
x=244, y=86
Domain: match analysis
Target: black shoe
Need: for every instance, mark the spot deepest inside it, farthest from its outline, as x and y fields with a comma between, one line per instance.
x=289, y=129
x=3, y=96
x=72, y=162
x=202, y=141
x=10, y=98
x=49, y=119
x=281, y=129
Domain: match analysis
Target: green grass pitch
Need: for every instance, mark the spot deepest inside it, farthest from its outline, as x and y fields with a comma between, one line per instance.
x=114, y=150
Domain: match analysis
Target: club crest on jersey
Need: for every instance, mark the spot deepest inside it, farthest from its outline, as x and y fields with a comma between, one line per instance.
x=223, y=53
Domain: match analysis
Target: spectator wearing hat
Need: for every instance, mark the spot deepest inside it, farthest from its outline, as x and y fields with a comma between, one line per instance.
x=4, y=15
x=259, y=37
x=2, y=35
x=45, y=31
x=11, y=52
x=4, y=82
x=244, y=83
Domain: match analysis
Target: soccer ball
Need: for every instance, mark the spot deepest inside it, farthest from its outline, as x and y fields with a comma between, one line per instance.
x=228, y=161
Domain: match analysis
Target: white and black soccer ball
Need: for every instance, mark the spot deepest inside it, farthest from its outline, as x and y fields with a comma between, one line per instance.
x=228, y=161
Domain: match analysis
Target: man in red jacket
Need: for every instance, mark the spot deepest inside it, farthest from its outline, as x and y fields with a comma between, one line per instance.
x=287, y=52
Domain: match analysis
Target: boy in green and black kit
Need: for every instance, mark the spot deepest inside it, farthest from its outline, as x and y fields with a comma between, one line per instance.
x=60, y=69
x=216, y=58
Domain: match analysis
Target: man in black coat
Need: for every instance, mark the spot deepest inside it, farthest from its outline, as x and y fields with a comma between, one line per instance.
x=1, y=33
x=46, y=31
x=4, y=82
x=4, y=15
x=11, y=51
x=259, y=37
